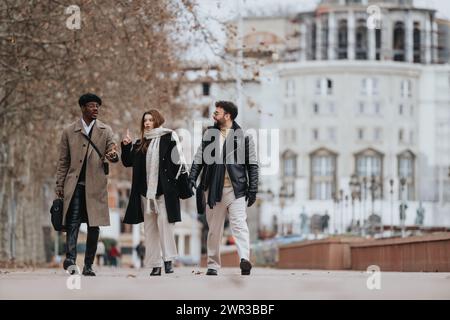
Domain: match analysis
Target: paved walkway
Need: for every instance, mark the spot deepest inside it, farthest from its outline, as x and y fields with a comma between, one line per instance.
x=191, y=283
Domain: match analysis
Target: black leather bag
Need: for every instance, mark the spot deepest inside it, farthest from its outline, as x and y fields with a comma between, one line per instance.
x=57, y=214
x=184, y=192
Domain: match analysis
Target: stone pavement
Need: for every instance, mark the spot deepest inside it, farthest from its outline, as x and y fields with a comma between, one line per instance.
x=192, y=283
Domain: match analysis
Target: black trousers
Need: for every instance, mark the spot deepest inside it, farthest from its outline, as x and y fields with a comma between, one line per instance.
x=76, y=215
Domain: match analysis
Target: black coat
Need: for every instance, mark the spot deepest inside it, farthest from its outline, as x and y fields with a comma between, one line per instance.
x=131, y=157
x=243, y=173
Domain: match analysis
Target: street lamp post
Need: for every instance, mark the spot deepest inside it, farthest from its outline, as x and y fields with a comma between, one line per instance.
x=363, y=225
x=341, y=198
x=373, y=188
x=346, y=209
x=403, y=206
x=355, y=188
x=282, y=204
x=334, y=212
x=391, y=184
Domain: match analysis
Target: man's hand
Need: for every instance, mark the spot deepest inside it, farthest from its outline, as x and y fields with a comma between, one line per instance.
x=192, y=185
x=112, y=154
x=250, y=198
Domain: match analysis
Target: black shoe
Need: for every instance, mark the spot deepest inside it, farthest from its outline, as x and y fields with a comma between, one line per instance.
x=246, y=266
x=156, y=271
x=211, y=272
x=168, y=267
x=70, y=263
x=87, y=271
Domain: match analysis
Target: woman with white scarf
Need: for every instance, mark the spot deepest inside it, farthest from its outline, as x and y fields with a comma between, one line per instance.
x=154, y=197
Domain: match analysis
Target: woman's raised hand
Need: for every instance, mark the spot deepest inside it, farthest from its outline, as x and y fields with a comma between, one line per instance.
x=127, y=139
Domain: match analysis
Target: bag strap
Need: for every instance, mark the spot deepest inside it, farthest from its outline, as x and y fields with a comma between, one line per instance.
x=94, y=146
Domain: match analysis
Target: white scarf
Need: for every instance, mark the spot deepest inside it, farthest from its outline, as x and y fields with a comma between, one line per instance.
x=152, y=164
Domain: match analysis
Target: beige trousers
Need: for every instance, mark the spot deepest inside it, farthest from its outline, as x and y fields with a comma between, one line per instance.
x=235, y=209
x=159, y=236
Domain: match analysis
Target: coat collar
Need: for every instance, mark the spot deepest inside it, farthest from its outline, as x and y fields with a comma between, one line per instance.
x=79, y=126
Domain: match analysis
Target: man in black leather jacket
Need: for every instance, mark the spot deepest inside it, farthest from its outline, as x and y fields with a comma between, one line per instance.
x=229, y=169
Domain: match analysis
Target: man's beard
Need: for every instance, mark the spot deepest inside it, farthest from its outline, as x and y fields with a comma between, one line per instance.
x=219, y=123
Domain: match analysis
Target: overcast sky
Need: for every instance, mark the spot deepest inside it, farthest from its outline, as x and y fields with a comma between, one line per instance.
x=225, y=8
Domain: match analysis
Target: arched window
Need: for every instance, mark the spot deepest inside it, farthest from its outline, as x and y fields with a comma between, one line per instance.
x=361, y=40
x=289, y=164
x=369, y=163
x=406, y=170
x=399, y=41
x=342, y=39
x=289, y=160
x=323, y=174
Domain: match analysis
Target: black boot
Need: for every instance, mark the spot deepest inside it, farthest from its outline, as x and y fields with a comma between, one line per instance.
x=91, y=245
x=73, y=221
x=71, y=248
x=211, y=272
x=87, y=271
x=156, y=271
x=246, y=266
x=168, y=267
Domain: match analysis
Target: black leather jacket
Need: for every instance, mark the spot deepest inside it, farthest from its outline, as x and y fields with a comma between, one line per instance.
x=239, y=157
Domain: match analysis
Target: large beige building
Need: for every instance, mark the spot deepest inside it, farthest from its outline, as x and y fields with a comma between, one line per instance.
x=359, y=104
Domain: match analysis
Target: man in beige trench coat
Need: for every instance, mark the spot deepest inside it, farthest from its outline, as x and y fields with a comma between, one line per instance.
x=81, y=180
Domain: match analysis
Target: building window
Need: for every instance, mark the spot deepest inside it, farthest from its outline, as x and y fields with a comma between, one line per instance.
x=316, y=108
x=324, y=87
x=417, y=43
x=411, y=110
x=289, y=164
x=206, y=86
x=400, y=109
x=342, y=39
x=361, y=107
x=285, y=113
x=290, y=88
x=406, y=170
x=406, y=89
x=323, y=174
x=400, y=135
x=369, y=163
x=315, y=134
x=399, y=41
x=377, y=108
x=294, y=109
x=360, y=134
x=369, y=87
x=361, y=40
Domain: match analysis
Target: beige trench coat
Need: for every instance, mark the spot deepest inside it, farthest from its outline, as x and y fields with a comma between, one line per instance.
x=72, y=152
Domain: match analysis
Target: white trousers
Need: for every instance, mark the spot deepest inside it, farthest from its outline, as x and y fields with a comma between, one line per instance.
x=237, y=215
x=159, y=236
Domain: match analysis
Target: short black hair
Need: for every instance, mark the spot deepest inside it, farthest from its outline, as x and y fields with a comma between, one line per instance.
x=228, y=107
x=89, y=97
